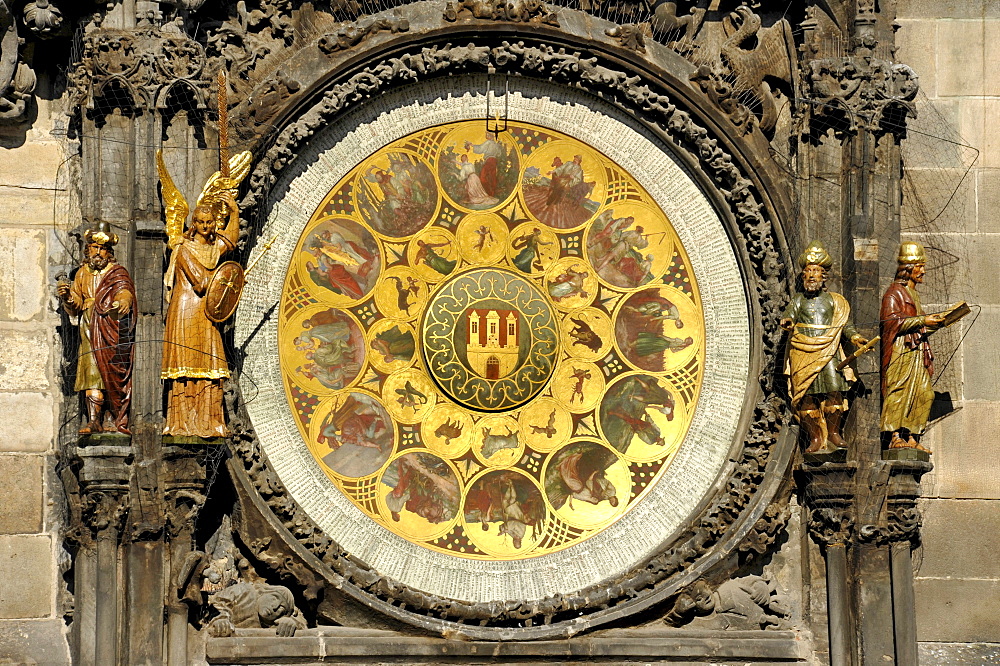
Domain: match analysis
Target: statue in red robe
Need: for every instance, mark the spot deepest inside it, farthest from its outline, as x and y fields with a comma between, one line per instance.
x=102, y=295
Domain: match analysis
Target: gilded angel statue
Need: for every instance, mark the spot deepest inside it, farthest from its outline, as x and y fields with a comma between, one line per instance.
x=201, y=293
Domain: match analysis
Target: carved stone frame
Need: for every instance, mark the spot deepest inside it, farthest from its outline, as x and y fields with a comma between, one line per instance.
x=747, y=203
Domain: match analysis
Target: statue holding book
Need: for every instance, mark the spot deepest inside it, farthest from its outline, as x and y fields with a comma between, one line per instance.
x=907, y=359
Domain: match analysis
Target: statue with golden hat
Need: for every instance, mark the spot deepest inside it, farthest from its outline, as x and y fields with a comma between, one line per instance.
x=102, y=296
x=907, y=360
x=818, y=378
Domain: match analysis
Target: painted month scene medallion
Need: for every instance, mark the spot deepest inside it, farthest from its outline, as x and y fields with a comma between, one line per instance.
x=492, y=346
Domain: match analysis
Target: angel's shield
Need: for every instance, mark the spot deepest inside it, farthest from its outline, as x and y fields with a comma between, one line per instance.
x=224, y=290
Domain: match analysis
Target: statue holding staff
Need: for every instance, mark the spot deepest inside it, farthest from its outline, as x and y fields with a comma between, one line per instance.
x=819, y=321
x=194, y=360
x=102, y=295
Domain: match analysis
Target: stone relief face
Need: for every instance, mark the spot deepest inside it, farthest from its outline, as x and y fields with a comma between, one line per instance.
x=481, y=338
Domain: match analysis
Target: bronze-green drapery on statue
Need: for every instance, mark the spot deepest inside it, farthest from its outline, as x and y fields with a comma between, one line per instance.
x=819, y=320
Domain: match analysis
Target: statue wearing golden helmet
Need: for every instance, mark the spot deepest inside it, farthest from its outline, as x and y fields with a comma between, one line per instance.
x=819, y=322
x=907, y=360
x=102, y=296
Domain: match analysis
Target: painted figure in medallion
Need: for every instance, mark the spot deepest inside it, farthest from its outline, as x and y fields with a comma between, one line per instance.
x=584, y=335
x=624, y=412
x=510, y=499
x=103, y=297
x=481, y=176
x=360, y=435
x=342, y=256
x=495, y=442
x=559, y=198
x=406, y=292
x=427, y=254
x=820, y=321
x=484, y=235
x=907, y=360
x=394, y=343
x=580, y=375
x=400, y=198
x=568, y=284
x=194, y=360
x=579, y=472
x=529, y=256
x=449, y=430
x=422, y=484
x=334, y=349
x=615, y=247
x=640, y=329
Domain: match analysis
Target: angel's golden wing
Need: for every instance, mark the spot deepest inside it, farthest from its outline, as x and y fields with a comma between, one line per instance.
x=239, y=167
x=174, y=204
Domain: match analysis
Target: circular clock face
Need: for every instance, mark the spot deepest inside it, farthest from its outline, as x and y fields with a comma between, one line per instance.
x=500, y=335
x=492, y=350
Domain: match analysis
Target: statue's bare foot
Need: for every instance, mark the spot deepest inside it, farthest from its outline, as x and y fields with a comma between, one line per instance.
x=898, y=442
x=837, y=442
x=91, y=428
x=914, y=444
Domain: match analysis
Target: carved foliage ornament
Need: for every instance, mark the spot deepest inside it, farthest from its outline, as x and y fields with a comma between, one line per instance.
x=861, y=91
x=516, y=11
x=831, y=525
x=147, y=64
x=724, y=509
x=43, y=17
x=353, y=34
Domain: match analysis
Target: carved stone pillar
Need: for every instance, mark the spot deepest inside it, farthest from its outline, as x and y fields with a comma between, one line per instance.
x=829, y=495
x=902, y=532
x=869, y=572
x=184, y=487
x=104, y=475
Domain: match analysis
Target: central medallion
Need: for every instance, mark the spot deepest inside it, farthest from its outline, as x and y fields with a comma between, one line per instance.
x=490, y=339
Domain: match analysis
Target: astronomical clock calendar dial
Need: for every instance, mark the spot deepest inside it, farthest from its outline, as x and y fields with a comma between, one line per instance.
x=495, y=365
x=492, y=343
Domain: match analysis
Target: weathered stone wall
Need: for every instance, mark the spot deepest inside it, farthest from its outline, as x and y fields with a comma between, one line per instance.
x=955, y=48
x=33, y=216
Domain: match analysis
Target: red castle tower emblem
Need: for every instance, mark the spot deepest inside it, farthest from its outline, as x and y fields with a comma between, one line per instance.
x=494, y=341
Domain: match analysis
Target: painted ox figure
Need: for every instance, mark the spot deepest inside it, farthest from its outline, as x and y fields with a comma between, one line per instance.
x=493, y=444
